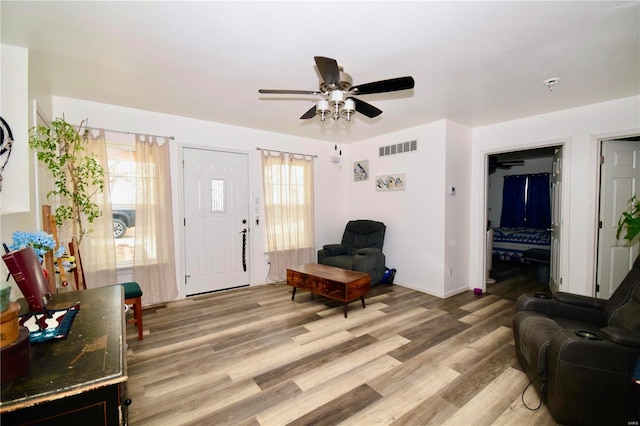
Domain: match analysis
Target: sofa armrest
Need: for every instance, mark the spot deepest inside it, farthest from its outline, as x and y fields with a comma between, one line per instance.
x=335, y=249
x=372, y=263
x=368, y=250
x=579, y=300
x=590, y=377
x=555, y=308
x=329, y=250
x=622, y=336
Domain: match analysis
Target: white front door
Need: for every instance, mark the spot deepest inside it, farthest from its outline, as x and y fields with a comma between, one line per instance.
x=555, y=275
x=619, y=178
x=216, y=209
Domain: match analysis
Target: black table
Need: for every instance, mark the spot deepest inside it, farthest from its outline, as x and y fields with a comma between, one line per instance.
x=79, y=380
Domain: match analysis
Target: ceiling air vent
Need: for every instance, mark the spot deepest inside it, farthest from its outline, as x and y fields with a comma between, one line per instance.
x=398, y=148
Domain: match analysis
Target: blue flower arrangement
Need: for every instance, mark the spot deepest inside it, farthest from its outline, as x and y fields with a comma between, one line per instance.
x=40, y=241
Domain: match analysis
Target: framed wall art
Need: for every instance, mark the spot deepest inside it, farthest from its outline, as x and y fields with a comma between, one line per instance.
x=391, y=182
x=361, y=170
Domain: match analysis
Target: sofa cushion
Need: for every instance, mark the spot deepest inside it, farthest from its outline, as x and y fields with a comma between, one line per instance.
x=363, y=234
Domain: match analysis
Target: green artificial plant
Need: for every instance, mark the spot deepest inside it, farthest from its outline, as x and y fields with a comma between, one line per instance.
x=630, y=219
x=77, y=175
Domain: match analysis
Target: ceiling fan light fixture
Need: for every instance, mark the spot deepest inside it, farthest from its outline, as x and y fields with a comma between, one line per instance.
x=337, y=101
x=337, y=98
x=323, y=109
x=349, y=109
x=336, y=85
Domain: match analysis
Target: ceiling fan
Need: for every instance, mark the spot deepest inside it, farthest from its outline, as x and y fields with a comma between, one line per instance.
x=337, y=91
x=495, y=164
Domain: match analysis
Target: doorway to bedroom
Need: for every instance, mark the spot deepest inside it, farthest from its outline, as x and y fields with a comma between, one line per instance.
x=523, y=196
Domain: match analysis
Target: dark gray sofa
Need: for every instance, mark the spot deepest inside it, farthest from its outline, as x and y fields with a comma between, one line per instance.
x=581, y=353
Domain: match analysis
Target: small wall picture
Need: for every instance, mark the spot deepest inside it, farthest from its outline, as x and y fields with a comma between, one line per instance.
x=391, y=182
x=361, y=170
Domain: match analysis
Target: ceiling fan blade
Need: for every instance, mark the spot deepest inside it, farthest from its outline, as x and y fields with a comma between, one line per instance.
x=365, y=108
x=382, y=86
x=289, y=92
x=309, y=114
x=328, y=70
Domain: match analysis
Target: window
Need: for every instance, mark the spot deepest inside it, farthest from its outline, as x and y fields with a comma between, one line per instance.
x=217, y=196
x=526, y=201
x=289, y=203
x=122, y=188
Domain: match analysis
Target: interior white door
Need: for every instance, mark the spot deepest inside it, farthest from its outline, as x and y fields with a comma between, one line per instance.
x=619, y=177
x=216, y=208
x=555, y=273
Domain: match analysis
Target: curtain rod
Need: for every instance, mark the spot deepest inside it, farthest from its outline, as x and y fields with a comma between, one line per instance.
x=294, y=153
x=129, y=133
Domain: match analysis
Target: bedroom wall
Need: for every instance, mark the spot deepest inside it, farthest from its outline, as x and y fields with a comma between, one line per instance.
x=330, y=191
x=579, y=129
x=496, y=183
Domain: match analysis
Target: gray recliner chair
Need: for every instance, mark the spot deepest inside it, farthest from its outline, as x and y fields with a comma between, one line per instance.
x=582, y=353
x=360, y=249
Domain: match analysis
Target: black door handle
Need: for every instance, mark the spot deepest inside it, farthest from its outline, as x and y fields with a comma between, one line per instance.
x=244, y=249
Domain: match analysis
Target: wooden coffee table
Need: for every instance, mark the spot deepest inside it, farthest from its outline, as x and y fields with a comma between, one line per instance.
x=335, y=283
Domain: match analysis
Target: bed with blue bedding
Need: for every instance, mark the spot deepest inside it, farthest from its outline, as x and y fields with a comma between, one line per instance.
x=509, y=244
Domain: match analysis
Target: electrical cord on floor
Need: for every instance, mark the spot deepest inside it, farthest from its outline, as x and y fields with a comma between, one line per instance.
x=266, y=279
x=273, y=282
x=539, y=376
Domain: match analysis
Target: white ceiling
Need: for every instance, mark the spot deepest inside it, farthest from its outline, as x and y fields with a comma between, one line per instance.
x=475, y=63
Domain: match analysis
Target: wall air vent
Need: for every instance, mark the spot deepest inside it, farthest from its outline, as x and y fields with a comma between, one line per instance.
x=398, y=148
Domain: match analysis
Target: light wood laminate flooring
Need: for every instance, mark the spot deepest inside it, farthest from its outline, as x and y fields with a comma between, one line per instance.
x=252, y=356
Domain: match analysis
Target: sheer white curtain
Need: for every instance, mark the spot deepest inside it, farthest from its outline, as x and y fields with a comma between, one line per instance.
x=154, y=258
x=98, y=247
x=288, y=201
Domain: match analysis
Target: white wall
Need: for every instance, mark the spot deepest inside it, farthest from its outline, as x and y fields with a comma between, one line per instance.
x=414, y=240
x=427, y=238
x=579, y=129
x=457, y=206
x=330, y=191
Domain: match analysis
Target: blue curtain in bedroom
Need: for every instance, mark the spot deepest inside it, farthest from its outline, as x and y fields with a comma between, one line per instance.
x=538, y=207
x=513, y=201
